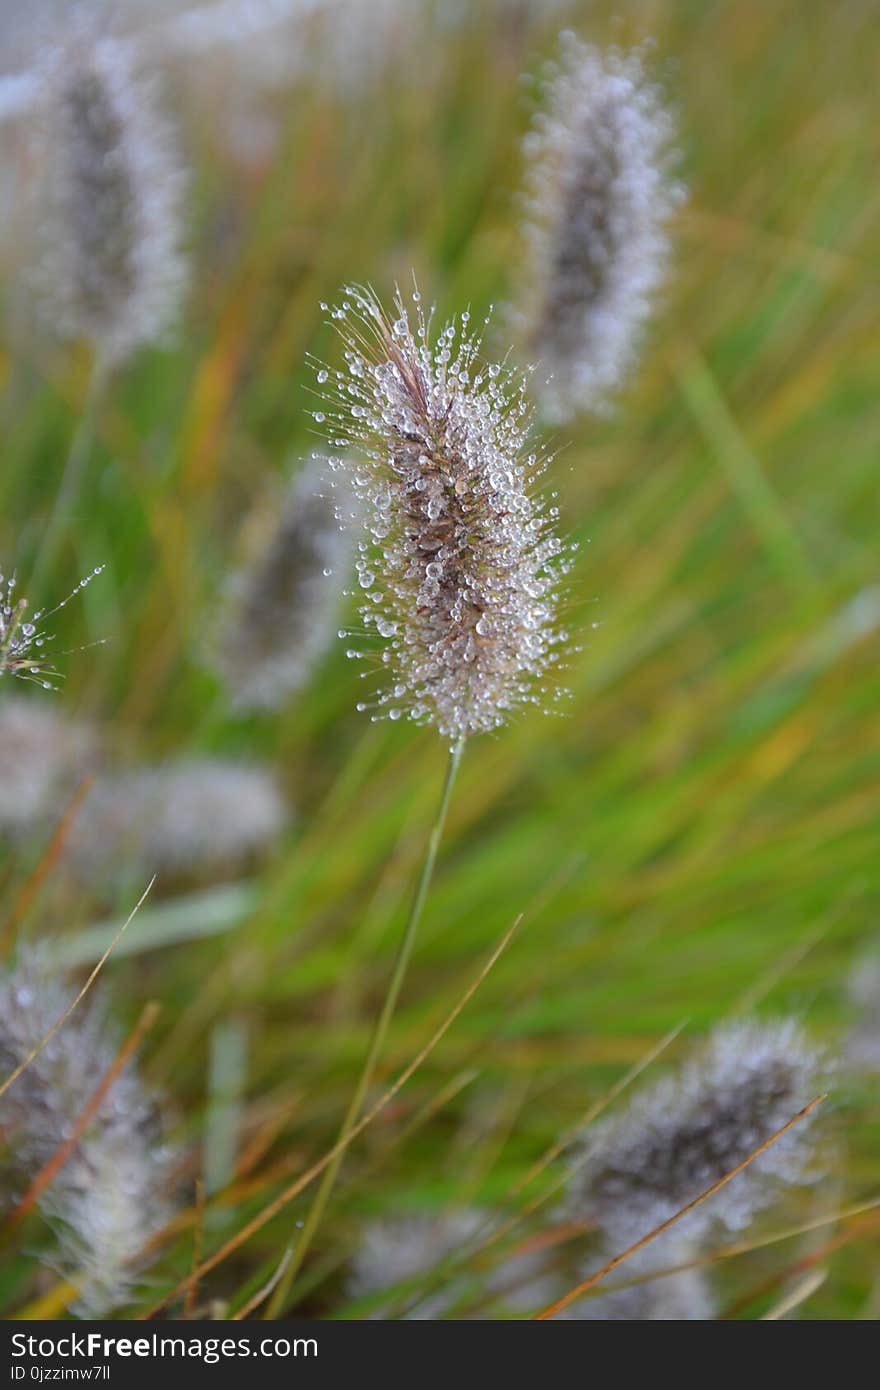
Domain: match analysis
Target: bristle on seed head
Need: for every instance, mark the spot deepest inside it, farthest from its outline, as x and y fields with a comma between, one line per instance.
x=26, y=647
x=694, y=1126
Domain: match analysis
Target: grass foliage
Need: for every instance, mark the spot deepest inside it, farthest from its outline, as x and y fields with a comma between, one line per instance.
x=694, y=837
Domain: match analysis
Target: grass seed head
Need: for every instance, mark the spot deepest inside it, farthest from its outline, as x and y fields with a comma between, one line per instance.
x=26, y=648
x=42, y=759
x=113, y=1192
x=461, y=565
x=863, y=1038
x=281, y=612
x=407, y=1250
x=599, y=194
x=686, y=1296
x=195, y=816
x=686, y=1131
x=112, y=271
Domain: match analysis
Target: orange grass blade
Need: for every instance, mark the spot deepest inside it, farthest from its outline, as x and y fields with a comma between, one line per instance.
x=54, y=1165
x=745, y=1247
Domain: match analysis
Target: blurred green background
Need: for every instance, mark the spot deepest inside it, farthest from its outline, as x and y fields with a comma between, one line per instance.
x=696, y=834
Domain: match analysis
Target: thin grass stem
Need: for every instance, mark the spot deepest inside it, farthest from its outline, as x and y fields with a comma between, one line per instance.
x=298, y=1252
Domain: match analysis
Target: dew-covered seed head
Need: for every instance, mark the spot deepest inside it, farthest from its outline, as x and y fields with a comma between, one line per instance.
x=27, y=649
x=111, y=269
x=114, y=1192
x=409, y=1251
x=191, y=817
x=599, y=193
x=280, y=613
x=43, y=758
x=460, y=567
x=654, y=1295
x=692, y=1127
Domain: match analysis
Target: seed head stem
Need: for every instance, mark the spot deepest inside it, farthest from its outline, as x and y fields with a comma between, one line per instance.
x=278, y=1301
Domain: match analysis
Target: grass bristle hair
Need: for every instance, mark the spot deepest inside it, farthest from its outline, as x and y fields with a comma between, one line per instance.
x=26, y=648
